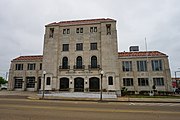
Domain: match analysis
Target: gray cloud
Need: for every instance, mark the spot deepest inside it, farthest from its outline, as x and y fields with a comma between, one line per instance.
x=22, y=24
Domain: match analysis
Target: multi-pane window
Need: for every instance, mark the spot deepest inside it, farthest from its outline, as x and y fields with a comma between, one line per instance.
x=142, y=65
x=65, y=47
x=30, y=82
x=143, y=82
x=158, y=81
x=93, y=62
x=156, y=65
x=93, y=46
x=108, y=29
x=40, y=66
x=48, y=81
x=93, y=29
x=110, y=80
x=65, y=63
x=18, y=82
x=79, y=62
x=31, y=66
x=127, y=81
x=19, y=67
x=79, y=30
x=79, y=46
x=66, y=31
x=51, y=32
x=127, y=65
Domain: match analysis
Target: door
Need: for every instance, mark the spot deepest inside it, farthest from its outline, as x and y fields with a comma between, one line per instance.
x=78, y=85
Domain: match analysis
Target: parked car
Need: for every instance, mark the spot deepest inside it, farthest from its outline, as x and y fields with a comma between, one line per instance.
x=3, y=87
x=177, y=91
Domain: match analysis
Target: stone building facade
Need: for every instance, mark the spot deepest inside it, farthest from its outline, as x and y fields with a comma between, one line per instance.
x=76, y=52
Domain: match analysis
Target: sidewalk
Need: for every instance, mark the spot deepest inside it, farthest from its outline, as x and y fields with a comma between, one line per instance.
x=95, y=97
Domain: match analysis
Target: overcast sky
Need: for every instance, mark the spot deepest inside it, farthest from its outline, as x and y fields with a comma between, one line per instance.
x=22, y=24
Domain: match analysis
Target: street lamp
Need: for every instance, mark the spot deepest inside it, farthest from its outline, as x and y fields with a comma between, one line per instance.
x=44, y=74
x=102, y=73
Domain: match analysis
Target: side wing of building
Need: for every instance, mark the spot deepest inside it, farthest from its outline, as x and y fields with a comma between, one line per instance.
x=25, y=73
x=140, y=71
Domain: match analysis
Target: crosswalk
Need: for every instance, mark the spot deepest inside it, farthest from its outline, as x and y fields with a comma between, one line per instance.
x=155, y=104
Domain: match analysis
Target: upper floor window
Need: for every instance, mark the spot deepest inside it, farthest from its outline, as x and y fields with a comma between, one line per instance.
x=48, y=81
x=79, y=62
x=65, y=47
x=93, y=62
x=127, y=65
x=156, y=65
x=108, y=29
x=65, y=63
x=93, y=29
x=79, y=30
x=110, y=80
x=142, y=65
x=127, y=81
x=40, y=66
x=31, y=66
x=51, y=32
x=79, y=46
x=158, y=81
x=19, y=67
x=66, y=31
x=93, y=46
x=143, y=82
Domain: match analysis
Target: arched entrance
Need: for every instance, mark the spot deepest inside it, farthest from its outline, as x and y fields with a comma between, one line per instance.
x=64, y=84
x=78, y=85
x=94, y=84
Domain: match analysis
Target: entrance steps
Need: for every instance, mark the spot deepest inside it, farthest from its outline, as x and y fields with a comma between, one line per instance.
x=110, y=95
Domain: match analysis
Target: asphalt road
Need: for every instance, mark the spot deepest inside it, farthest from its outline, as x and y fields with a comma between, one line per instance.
x=24, y=109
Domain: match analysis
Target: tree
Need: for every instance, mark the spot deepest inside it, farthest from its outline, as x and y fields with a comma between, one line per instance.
x=3, y=81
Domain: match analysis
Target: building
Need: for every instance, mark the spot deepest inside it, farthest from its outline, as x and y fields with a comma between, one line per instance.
x=76, y=52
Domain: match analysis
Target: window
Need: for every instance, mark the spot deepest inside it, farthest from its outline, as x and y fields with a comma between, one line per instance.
x=19, y=67
x=40, y=66
x=93, y=46
x=93, y=29
x=156, y=65
x=79, y=46
x=66, y=31
x=93, y=62
x=51, y=32
x=65, y=63
x=65, y=47
x=158, y=81
x=77, y=30
x=142, y=65
x=127, y=81
x=143, y=82
x=110, y=80
x=108, y=29
x=18, y=82
x=31, y=66
x=48, y=81
x=81, y=30
x=127, y=66
x=30, y=82
x=79, y=62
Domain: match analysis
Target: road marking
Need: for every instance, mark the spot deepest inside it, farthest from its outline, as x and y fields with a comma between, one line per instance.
x=87, y=109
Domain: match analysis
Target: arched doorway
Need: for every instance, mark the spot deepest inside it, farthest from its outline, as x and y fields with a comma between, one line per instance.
x=79, y=85
x=64, y=84
x=94, y=84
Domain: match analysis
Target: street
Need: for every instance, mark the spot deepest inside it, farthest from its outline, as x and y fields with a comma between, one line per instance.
x=25, y=109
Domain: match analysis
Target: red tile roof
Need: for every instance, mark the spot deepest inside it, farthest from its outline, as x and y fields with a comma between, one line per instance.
x=141, y=54
x=34, y=57
x=87, y=21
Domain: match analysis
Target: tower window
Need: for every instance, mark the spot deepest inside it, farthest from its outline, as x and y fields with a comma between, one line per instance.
x=108, y=29
x=51, y=32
